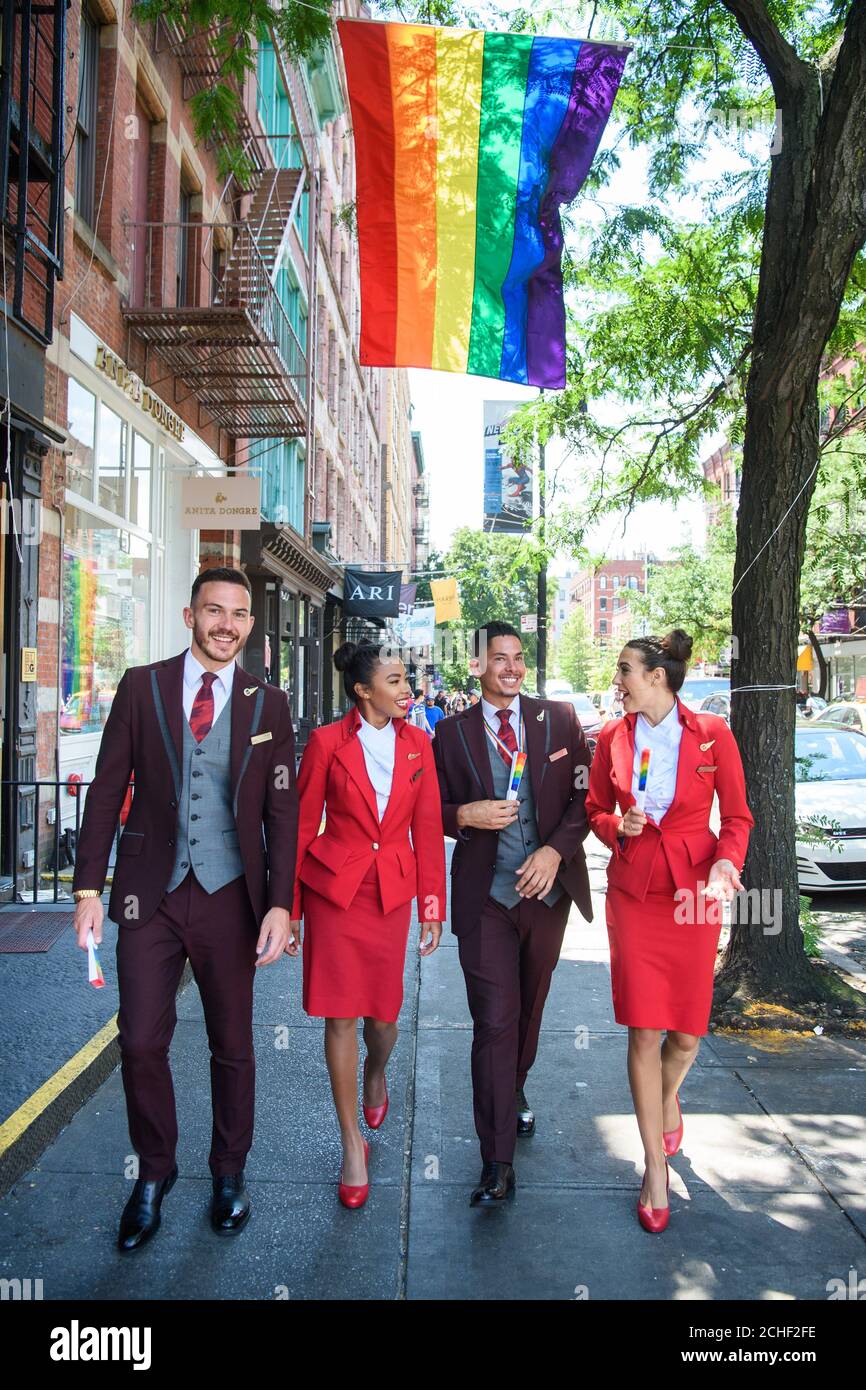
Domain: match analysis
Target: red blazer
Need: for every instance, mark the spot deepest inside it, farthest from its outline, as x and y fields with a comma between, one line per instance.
x=333, y=775
x=709, y=762
x=144, y=734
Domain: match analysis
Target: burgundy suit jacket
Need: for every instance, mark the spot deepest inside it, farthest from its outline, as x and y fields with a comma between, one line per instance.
x=144, y=734
x=333, y=775
x=558, y=761
x=709, y=762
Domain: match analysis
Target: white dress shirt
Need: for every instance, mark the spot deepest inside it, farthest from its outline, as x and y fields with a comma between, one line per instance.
x=491, y=714
x=222, y=686
x=663, y=741
x=380, y=750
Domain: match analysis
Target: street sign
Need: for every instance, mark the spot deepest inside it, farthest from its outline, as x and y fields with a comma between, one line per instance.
x=529, y=622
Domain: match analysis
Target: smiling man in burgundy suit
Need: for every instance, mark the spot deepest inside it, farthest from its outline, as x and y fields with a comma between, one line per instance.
x=205, y=872
x=518, y=865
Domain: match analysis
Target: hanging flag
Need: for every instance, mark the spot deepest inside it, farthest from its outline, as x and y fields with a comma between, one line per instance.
x=466, y=145
x=371, y=594
x=445, y=598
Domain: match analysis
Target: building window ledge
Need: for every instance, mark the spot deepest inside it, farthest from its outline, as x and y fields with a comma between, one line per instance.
x=101, y=253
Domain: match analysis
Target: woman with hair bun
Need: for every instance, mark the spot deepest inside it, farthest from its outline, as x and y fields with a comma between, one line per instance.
x=651, y=789
x=373, y=775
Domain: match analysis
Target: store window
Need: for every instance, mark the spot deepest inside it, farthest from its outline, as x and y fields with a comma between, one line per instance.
x=81, y=423
x=106, y=616
x=111, y=461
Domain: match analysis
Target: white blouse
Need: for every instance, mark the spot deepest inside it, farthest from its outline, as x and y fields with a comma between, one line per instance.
x=380, y=750
x=663, y=741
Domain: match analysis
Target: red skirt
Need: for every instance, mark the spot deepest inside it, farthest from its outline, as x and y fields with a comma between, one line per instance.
x=662, y=968
x=354, y=957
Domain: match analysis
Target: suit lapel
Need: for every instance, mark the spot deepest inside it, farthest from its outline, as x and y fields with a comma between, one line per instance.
x=169, y=678
x=404, y=769
x=690, y=754
x=471, y=726
x=242, y=707
x=351, y=755
x=536, y=735
x=622, y=755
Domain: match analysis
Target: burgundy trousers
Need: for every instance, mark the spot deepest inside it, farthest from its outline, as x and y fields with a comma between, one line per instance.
x=507, y=961
x=217, y=933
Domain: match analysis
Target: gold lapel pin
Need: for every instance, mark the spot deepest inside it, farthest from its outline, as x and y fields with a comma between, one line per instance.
x=540, y=716
x=705, y=746
x=250, y=689
x=414, y=755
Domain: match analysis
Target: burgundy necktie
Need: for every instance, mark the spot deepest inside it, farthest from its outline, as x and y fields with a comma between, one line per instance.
x=201, y=715
x=506, y=733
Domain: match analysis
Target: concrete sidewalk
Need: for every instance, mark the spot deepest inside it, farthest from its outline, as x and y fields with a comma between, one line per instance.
x=768, y=1196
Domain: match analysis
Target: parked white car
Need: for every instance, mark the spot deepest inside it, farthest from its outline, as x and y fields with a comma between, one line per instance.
x=830, y=775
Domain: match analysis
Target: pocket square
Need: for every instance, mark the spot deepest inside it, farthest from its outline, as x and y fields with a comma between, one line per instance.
x=416, y=775
x=260, y=738
x=560, y=753
x=711, y=768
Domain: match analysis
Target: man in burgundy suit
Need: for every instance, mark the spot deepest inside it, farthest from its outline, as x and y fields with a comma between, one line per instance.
x=205, y=872
x=517, y=867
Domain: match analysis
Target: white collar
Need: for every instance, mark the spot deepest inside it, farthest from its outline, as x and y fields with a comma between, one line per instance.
x=386, y=731
x=193, y=672
x=666, y=728
x=491, y=712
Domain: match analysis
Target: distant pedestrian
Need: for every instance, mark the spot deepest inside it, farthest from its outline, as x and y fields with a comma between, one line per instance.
x=433, y=712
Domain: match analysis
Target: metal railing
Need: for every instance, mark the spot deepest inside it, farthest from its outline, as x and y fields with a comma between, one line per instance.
x=58, y=849
x=244, y=281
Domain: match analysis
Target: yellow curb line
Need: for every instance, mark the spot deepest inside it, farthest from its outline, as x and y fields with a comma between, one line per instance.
x=20, y=1120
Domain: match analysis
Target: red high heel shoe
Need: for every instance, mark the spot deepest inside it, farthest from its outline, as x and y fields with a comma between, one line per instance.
x=355, y=1196
x=674, y=1137
x=374, y=1114
x=655, y=1219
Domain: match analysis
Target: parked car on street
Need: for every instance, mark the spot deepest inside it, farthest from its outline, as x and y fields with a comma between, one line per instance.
x=830, y=776
x=718, y=704
x=696, y=689
x=588, y=716
x=851, y=714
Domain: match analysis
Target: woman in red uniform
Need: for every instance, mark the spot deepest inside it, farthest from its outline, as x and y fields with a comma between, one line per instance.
x=662, y=947
x=373, y=775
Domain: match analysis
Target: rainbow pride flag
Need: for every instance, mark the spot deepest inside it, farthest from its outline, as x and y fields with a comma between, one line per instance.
x=467, y=144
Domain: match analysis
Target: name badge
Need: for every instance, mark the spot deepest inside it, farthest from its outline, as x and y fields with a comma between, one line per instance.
x=261, y=738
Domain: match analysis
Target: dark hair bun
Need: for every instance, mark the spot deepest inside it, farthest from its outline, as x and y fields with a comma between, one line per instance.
x=345, y=655
x=679, y=644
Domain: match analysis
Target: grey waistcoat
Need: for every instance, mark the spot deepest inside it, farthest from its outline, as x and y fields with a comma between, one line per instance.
x=207, y=837
x=519, y=839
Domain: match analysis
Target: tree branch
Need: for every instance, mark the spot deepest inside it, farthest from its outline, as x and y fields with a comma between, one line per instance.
x=785, y=69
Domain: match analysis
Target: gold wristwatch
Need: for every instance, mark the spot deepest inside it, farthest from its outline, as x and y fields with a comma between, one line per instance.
x=80, y=893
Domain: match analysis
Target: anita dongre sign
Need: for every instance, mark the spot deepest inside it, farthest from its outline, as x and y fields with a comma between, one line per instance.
x=133, y=386
x=216, y=504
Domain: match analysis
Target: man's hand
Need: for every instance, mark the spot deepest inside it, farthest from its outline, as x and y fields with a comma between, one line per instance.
x=632, y=822
x=487, y=815
x=433, y=931
x=538, y=872
x=88, y=917
x=276, y=929
x=293, y=945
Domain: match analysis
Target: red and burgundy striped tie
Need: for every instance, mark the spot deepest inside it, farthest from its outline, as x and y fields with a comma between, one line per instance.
x=506, y=733
x=201, y=715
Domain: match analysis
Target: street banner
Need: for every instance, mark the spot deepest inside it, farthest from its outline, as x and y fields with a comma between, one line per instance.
x=416, y=630
x=466, y=146
x=374, y=594
x=407, y=597
x=507, y=484
x=446, y=600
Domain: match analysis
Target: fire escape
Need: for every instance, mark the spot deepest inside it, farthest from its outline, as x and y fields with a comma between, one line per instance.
x=32, y=65
x=210, y=307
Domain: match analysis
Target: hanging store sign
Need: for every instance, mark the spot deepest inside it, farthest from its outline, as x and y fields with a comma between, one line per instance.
x=372, y=595
x=216, y=504
x=133, y=386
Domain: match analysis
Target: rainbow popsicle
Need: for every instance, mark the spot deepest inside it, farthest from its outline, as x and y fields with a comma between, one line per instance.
x=94, y=969
x=518, y=763
x=643, y=778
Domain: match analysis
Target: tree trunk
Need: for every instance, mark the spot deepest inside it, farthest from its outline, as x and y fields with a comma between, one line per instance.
x=823, y=668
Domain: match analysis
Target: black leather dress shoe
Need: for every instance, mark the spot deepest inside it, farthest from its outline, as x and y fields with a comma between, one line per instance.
x=495, y=1184
x=525, y=1117
x=230, y=1208
x=141, y=1215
